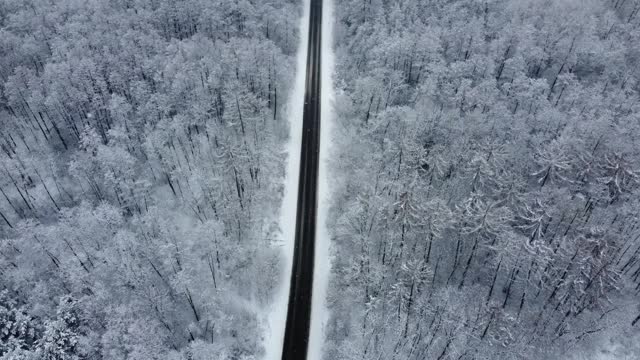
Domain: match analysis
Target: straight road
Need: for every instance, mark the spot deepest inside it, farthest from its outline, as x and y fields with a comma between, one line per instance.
x=296, y=336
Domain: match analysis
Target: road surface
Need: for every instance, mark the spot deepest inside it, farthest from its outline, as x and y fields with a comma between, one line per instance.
x=296, y=336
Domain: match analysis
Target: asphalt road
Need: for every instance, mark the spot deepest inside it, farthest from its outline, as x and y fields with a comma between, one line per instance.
x=296, y=337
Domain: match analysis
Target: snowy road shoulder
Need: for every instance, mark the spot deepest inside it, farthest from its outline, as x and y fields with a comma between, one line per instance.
x=276, y=316
x=322, y=266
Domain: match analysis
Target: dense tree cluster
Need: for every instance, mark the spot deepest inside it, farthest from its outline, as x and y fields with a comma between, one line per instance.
x=487, y=193
x=140, y=171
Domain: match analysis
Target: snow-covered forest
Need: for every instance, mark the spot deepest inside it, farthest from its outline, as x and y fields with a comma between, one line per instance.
x=486, y=198
x=483, y=178
x=141, y=170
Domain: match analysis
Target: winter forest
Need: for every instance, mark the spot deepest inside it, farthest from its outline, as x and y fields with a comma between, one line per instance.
x=484, y=178
x=139, y=175
x=487, y=200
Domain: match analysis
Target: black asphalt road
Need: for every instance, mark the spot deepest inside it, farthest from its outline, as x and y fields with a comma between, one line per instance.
x=296, y=336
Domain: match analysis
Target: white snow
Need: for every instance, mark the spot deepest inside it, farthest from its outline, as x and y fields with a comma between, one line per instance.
x=277, y=315
x=322, y=265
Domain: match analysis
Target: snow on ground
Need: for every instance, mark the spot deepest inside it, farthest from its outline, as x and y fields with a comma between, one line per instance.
x=322, y=266
x=276, y=317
